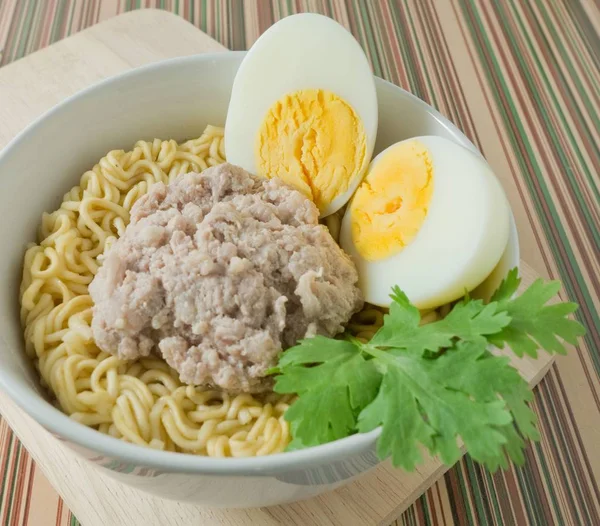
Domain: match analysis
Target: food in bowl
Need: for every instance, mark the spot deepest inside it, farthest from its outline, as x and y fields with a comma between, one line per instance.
x=303, y=106
x=218, y=272
x=425, y=384
x=422, y=200
x=142, y=401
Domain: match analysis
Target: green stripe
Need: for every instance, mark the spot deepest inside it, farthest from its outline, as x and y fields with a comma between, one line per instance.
x=481, y=503
x=549, y=127
x=573, y=31
x=575, y=288
x=575, y=489
x=18, y=449
x=542, y=410
x=9, y=453
x=370, y=40
x=397, y=17
x=70, y=19
x=565, y=126
x=12, y=53
x=492, y=497
x=429, y=93
x=463, y=483
x=57, y=21
x=585, y=29
x=424, y=505
x=527, y=485
x=573, y=75
x=376, y=16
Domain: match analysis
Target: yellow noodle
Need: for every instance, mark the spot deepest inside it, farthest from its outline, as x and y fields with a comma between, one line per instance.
x=142, y=402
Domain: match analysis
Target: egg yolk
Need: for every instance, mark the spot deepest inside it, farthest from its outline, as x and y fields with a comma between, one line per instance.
x=390, y=205
x=314, y=141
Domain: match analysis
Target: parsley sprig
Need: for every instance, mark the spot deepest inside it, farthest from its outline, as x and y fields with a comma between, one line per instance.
x=432, y=385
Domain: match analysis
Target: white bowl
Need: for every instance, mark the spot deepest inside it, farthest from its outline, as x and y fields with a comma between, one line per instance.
x=172, y=99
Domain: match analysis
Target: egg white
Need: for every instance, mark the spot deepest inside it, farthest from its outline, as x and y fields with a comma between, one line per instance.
x=460, y=242
x=305, y=51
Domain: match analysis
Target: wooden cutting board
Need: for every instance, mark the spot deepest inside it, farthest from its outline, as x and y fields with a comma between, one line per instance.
x=28, y=88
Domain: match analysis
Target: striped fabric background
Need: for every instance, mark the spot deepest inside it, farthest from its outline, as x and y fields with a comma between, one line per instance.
x=522, y=79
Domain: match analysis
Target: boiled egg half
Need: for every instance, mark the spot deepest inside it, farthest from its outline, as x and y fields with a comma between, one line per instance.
x=303, y=108
x=431, y=217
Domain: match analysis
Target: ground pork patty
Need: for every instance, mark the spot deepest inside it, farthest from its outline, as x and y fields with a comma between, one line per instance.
x=218, y=272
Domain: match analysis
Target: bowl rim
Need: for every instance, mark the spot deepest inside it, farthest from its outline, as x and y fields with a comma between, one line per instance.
x=66, y=429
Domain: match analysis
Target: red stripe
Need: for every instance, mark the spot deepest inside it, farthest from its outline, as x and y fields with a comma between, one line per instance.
x=498, y=128
x=59, y=509
x=20, y=479
x=12, y=445
x=31, y=475
x=395, y=49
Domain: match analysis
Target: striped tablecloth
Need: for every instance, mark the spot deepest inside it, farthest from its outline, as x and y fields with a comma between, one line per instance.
x=522, y=79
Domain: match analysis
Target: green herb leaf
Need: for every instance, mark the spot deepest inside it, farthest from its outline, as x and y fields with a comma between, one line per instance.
x=334, y=381
x=534, y=324
x=401, y=328
x=433, y=386
x=404, y=427
x=469, y=320
x=414, y=387
x=508, y=287
x=487, y=377
x=472, y=321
